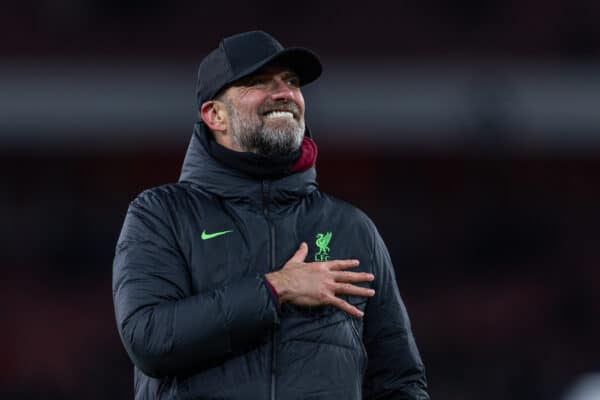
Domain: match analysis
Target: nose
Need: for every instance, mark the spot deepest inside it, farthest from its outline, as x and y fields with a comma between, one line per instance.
x=281, y=90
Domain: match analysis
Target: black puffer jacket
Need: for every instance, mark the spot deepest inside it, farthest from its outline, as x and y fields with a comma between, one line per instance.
x=198, y=320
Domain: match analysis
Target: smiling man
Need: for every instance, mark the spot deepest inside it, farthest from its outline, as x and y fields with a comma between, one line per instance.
x=248, y=118
x=243, y=280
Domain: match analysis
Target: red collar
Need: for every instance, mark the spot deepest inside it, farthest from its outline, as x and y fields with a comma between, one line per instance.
x=308, y=155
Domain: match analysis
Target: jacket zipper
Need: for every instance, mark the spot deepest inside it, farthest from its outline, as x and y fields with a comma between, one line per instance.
x=265, y=193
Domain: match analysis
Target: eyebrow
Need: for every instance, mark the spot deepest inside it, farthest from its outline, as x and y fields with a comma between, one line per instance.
x=290, y=73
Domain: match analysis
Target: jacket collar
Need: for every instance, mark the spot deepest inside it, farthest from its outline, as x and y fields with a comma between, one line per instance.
x=200, y=168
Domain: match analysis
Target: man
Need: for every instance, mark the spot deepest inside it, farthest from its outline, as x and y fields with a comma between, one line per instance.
x=243, y=280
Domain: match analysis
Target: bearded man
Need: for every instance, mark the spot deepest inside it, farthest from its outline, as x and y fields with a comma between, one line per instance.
x=243, y=280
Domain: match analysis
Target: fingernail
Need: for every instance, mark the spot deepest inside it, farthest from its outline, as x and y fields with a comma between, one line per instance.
x=360, y=313
x=371, y=276
x=371, y=292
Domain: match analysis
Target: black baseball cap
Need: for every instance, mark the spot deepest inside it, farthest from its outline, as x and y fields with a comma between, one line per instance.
x=244, y=53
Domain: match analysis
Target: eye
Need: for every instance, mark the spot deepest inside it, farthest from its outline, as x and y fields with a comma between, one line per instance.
x=257, y=81
x=294, y=81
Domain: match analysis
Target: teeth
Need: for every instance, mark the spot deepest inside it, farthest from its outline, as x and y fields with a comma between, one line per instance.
x=280, y=114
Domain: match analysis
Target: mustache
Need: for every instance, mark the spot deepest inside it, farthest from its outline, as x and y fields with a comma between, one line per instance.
x=280, y=105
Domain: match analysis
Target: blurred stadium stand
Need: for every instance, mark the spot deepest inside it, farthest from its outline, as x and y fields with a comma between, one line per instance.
x=469, y=131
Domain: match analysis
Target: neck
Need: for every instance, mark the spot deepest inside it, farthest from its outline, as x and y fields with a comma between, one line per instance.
x=265, y=167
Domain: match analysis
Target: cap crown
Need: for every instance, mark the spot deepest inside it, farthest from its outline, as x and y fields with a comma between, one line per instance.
x=249, y=48
x=244, y=53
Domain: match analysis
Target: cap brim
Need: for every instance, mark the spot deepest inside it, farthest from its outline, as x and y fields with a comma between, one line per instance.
x=302, y=61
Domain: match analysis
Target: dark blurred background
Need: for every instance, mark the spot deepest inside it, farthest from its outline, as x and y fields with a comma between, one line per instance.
x=468, y=130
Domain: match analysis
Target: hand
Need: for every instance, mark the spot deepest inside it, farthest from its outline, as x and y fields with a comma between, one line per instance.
x=318, y=283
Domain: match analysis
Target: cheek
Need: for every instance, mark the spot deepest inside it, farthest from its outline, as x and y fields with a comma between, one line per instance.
x=247, y=110
x=253, y=96
x=249, y=101
x=300, y=100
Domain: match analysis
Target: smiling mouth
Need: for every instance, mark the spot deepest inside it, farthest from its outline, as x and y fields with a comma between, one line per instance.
x=279, y=114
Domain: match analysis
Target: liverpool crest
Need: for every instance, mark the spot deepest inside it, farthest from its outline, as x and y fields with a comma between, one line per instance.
x=323, y=245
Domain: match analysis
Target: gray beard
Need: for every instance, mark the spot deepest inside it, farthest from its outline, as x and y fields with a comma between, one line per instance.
x=253, y=135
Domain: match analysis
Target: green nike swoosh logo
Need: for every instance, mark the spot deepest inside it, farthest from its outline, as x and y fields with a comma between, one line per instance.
x=206, y=236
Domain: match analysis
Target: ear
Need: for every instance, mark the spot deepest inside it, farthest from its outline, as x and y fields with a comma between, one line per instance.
x=214, y=115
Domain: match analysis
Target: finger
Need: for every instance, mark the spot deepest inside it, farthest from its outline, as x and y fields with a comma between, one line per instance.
x=352, y=277
x=300, y=254
x=346, y=307
x=353, y=290
x=337, y=265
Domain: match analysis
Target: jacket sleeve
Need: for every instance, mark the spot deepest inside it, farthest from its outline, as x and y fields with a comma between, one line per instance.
x=165, y=329
x=394, y=369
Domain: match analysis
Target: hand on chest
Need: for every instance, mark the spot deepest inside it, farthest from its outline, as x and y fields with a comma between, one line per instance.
x=228, y=246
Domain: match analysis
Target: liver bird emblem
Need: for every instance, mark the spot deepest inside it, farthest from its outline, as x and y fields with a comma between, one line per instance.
x=323, y=245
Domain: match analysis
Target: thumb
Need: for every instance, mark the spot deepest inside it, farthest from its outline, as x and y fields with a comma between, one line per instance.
x=301, y=253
